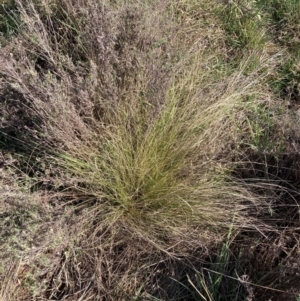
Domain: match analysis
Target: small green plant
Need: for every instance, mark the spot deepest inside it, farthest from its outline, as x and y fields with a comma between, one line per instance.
x=288, y=79
x=244, y=25
x=260, y=124
x=9, y=19
x=29, y=283
x=137, y=296
x=220, y=280
x=285, y=21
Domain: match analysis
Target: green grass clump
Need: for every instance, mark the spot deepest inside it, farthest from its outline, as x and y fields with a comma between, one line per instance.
x=156, y=169
x=283, y=27
x=287, y=82
x=245, y=25
x=221, y=280
x=9, y=19
x=285, y=16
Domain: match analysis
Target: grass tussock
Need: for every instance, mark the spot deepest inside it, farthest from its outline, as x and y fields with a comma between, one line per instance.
x=150, y=166
x=140, y=134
